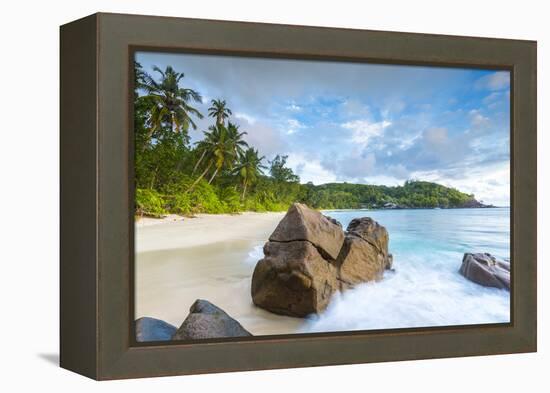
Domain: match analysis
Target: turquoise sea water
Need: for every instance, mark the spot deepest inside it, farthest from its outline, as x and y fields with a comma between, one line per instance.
x=425, y=289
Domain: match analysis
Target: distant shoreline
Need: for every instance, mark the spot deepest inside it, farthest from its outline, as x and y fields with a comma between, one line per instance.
x=148, y=220
x=416, y=208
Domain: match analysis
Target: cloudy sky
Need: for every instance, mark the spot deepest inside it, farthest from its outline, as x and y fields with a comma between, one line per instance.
x=363, y=123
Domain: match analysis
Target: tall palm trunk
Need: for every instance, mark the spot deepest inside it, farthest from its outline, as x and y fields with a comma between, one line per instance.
x=199, y=178
x=149, y=138
x=214, y=175
x=173, y=123
x=244, y=191
x=198, y=162
x=154, y=177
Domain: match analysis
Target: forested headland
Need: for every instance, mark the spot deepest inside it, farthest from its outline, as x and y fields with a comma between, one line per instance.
x=222, y=173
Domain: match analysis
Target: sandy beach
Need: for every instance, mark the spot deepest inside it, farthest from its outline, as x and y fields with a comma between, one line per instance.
x=212, y=257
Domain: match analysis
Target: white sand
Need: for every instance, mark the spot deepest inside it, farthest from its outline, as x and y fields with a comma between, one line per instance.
x=212, y=257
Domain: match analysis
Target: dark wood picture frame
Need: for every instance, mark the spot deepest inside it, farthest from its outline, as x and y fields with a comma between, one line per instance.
x=96, y=143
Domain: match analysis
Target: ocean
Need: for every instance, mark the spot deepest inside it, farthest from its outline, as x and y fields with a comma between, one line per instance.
x=425, y=289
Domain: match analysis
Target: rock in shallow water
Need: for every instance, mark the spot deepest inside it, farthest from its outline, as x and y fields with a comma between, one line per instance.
x=303, y=223
x=293, y=279
x=309, y=257
x=206, y=320
x=484, y=269
x=370, y=231
x=152, y=329
x=359, y=262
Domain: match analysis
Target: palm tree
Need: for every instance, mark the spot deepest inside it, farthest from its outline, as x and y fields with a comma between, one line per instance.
x=169, y=101
x=235, y=139
x=249, y=168
x=215, y=149
x=221, y=147
x=233, y=135
x=219, y=110
x=229, y=149
x=202, y=147
x=223, y=152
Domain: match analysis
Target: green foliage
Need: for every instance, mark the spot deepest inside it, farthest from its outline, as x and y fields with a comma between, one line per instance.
x=413, y=194
x=168, y=102
x=249, y=168
x=204, y=199
x=149, y=203
x=179, y=204
x=231, y=199
x=219, y=111
x=222, y=174
x=280, y=172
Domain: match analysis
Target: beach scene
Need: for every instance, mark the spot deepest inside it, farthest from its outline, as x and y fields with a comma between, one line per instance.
x=278, y=196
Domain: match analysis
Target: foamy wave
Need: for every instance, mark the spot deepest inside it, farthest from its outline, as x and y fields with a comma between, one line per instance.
x=426, y=288
x=413, y=296
x=255, y=254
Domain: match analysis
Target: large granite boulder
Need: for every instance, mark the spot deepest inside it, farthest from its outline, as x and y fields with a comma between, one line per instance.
x=293, y=279
x=484, y=269
x=309, y=257
x=372, y=232
x=359, y=262
x=152, y=329
x=303, y=223
x=205, y=320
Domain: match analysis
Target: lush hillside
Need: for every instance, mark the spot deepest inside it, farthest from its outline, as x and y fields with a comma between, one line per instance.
x=221, y=173
x=413, y=194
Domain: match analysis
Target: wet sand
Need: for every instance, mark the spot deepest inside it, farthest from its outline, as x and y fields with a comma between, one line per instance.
x=179, y=260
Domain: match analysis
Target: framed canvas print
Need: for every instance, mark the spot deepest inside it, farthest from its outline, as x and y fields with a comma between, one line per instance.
x=240, y=196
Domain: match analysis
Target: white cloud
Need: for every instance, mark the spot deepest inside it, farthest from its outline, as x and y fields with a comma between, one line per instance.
x=262, y=136
x=490, y=184
x=436, y=136
x=363, y=130
x=293, y=126
x=492, y=97
x=309, y=170
x=354, y=108
x=293, y=107
x=358, y=168
x=243, y=116
x=399, y=171
x=408, y=141
x=477, y=119
x=355, y=166
x=392, y=107
x=496, y=81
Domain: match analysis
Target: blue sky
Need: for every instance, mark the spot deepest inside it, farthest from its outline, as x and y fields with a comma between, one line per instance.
x=363, y=123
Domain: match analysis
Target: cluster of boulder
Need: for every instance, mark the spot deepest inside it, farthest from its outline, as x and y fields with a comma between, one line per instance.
x=484, y=269
x=204, y=321
x=309, y=257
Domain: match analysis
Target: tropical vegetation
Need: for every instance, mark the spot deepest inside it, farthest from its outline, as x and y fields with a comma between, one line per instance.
x=222, y=173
